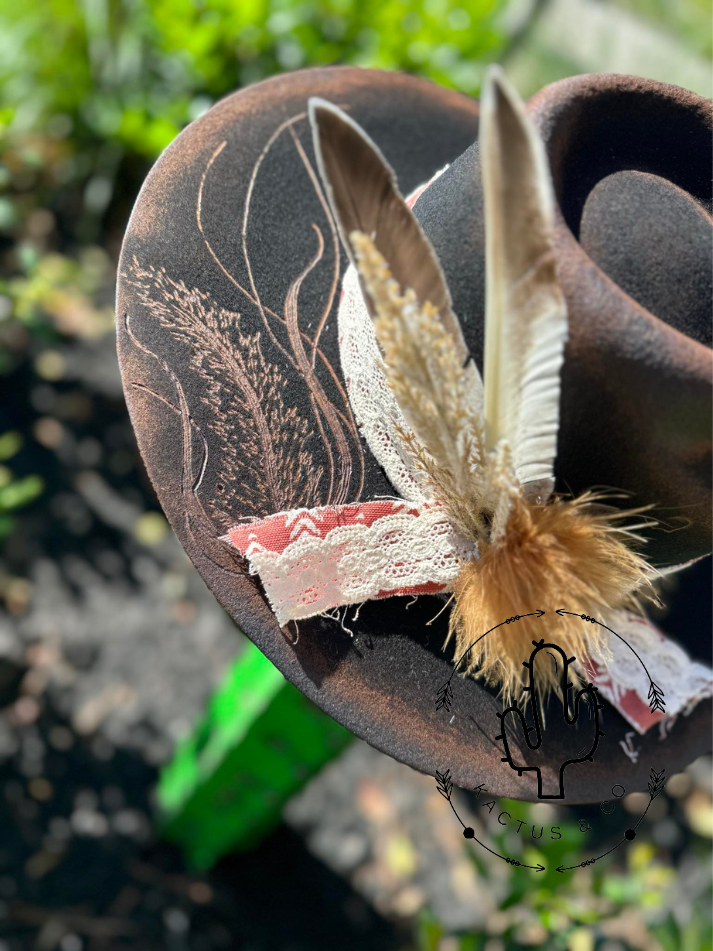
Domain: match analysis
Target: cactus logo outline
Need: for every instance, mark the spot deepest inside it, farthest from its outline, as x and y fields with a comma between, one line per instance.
x=587, y=694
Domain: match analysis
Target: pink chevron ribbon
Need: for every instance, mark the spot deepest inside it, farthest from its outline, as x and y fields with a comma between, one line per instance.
x=624, y=682
x=313, y=560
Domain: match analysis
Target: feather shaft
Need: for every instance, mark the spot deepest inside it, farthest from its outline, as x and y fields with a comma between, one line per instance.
x=526, y=314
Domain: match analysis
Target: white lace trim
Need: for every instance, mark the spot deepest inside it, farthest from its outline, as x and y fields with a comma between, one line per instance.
x=374, y=405
x=396, y=554
x=623, y=681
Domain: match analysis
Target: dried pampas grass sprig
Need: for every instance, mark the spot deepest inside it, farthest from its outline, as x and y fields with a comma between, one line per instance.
x=430, y=383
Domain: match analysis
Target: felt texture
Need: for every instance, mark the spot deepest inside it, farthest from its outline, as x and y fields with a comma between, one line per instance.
x=230, y=268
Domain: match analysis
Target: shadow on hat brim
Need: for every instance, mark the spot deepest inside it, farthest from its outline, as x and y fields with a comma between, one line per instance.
x=184, y=248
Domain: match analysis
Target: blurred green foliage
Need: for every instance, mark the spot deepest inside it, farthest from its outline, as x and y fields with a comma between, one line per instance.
x=634, y=902
x=14, y=492
x=689, y=20
x=130, y=74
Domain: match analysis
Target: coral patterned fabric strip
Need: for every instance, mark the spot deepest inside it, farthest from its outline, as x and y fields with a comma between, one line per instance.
x=313, y=560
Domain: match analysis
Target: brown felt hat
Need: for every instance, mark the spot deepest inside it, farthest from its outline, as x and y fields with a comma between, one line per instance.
x=231, y=271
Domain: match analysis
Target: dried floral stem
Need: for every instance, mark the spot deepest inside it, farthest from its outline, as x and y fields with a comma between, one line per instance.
x=429, y=382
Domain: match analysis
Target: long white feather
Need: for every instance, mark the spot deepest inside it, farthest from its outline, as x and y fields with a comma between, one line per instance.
x=526, y=314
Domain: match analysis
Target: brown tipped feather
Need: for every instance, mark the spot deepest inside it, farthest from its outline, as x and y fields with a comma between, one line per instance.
x=364, y=196
x=525, y=309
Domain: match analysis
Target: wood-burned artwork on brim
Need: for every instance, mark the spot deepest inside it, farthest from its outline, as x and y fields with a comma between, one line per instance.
x=268, y=453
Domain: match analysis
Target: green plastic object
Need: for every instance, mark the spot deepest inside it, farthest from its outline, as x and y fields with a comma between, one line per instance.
x=259, y=742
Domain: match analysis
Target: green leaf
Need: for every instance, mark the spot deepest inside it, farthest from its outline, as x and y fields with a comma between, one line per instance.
x=20, y=492
x=10, y=444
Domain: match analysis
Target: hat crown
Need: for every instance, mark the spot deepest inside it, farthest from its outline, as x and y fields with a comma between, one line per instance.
x=630, y=161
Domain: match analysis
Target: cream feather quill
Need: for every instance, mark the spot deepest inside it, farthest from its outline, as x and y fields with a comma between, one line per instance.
x=525, y=313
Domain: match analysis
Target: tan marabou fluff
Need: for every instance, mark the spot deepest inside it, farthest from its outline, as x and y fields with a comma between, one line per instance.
x=564, y=554
x=567, y=553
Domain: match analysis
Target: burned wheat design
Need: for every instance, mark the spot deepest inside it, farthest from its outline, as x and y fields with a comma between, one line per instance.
x=264, y=451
